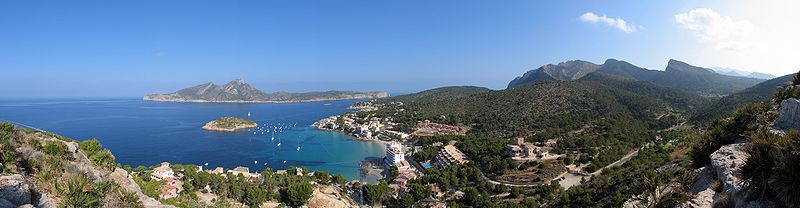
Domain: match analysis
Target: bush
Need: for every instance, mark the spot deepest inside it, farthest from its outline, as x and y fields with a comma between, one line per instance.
x=57, y=149
x=299, y=193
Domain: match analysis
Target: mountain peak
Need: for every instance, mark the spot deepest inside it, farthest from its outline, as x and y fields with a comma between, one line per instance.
x=679, y=66
x=238, y=81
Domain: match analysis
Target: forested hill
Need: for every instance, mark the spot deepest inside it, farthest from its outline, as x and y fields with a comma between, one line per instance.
x=549, y=108
x=441, y=94
x=677, y=74
x=755, y=94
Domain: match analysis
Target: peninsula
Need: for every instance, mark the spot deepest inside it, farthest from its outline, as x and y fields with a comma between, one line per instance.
x=229, y=124
x=238, y=91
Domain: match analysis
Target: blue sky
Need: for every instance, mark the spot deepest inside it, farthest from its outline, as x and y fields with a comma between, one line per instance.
x=130, y=48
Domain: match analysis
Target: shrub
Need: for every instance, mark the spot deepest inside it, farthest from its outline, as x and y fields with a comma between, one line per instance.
x=57, y=149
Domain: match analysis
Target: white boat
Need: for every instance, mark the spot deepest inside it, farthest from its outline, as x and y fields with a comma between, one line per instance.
x=298, y=149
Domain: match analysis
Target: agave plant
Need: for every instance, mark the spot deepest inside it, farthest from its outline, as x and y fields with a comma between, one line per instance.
x=786, y=182
x=759, y=165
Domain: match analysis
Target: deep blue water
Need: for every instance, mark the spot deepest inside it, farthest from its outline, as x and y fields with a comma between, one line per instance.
x=146, y=133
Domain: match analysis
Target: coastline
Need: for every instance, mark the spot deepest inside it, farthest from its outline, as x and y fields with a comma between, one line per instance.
x=258, y=101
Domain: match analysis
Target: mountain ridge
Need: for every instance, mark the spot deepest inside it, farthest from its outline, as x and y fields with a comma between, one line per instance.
x=677, y=74
x=238, y=91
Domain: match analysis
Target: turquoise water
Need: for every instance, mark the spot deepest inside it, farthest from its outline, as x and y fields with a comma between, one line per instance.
x=146, y=133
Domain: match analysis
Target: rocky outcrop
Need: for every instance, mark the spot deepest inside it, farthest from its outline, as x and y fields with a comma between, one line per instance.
x=126, y=182
x=328, y=196
x=727, y=162
x=14, y=189
x=789, y=117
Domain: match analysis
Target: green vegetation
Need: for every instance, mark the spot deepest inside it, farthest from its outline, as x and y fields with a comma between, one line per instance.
x=57, y=149
x=299, y=193
x=761, y=92
x=56, y=173
x=100, y=157
x=232, y=122
x=290, y=188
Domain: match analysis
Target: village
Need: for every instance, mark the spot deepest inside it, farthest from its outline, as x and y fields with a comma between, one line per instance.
x=400, y=148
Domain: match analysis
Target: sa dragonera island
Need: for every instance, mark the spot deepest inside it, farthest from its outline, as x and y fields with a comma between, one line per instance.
x=238, y=91
x=229, y=124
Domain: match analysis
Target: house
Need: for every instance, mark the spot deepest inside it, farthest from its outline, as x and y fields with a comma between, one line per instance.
x=168, y=191
x=162, y=172
x=520, y=149
x=171, y=188
x=403, y=179
x=244, y=171
x=216, y=171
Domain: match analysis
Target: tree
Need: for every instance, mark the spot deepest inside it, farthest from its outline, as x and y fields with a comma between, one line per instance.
x=339, y=179
x=515, y=192
x=255, y=195
x=376, y=193
x=299, y=193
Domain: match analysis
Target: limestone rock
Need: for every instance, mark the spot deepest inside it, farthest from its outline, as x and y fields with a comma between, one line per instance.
x=126, y=182
x=14, y=189
x=702, y=190
x=46, y=201
x=789, y=117
x=727, y=163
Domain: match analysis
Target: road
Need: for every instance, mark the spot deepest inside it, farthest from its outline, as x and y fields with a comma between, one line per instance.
x=570, y=179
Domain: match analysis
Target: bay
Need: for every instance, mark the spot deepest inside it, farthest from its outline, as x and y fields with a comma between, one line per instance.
x=146, y=133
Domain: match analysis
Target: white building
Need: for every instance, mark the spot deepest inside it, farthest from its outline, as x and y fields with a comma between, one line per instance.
x=394, y=153
x=162, y=172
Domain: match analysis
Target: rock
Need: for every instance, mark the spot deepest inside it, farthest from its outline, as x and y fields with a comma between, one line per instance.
x=46, y=201
x=328, y=196
x=703, y=193
x=6, y=203
x=121, y=177
x=789, y=116
x=14, y=189
x=727, y=162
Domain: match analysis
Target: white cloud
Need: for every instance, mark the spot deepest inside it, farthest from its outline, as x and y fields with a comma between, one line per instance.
x=618, y=23
x=722, y=31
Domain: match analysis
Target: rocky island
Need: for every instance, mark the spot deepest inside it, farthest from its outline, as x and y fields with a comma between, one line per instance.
x=229, y=124
x=238, y=91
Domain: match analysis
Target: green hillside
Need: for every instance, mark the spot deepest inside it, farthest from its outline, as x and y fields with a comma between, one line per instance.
x=758, y=93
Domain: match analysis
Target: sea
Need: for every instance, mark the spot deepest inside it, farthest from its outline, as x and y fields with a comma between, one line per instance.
x=147, y=133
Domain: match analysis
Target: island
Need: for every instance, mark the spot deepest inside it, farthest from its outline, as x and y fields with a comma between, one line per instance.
x=229, y=124
x=238, y=91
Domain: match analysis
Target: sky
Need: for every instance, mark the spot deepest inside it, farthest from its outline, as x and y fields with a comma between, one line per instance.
x=131, y=48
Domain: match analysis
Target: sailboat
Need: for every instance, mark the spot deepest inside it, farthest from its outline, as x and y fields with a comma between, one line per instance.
x=273, y=136
x=248, y=114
